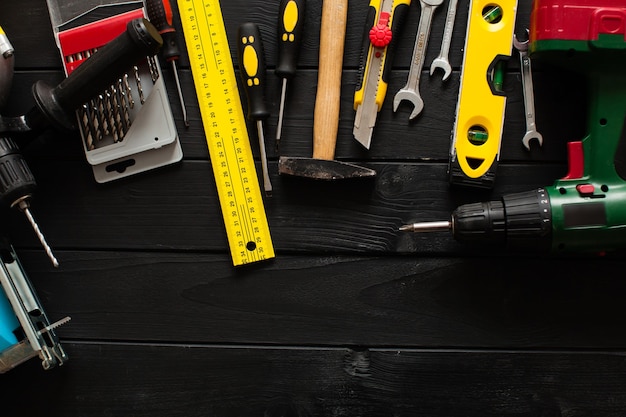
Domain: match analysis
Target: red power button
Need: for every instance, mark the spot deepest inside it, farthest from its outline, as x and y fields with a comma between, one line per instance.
x=585, y=190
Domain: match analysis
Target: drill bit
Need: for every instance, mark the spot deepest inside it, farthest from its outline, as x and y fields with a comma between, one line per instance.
x=426, y=227
x=24, y=206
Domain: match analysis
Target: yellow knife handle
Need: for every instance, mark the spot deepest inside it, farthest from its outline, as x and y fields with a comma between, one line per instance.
x=381, y=36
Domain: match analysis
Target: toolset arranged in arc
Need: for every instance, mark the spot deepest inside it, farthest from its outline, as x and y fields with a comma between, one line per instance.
x=115, y=95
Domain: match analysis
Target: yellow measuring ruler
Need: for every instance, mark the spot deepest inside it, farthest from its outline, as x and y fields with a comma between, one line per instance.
x=226, y=133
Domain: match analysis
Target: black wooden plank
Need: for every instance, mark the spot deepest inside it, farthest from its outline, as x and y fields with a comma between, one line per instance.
x=177, y=208
x=27, y=25
x=244, y=381
x=408, y=301
x=144, y=261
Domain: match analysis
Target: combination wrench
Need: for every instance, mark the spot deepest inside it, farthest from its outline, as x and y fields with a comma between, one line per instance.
x=442, y=61
x=410, y=92
x=529, y=96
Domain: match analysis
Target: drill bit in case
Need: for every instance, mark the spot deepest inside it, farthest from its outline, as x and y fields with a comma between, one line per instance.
x=129, y=127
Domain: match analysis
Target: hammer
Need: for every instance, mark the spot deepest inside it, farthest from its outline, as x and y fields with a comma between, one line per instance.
x=326, y=116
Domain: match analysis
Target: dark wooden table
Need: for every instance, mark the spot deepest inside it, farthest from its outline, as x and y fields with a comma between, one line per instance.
x=351, y=317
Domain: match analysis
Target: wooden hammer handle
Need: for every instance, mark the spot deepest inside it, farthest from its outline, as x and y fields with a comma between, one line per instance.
x=327, y=100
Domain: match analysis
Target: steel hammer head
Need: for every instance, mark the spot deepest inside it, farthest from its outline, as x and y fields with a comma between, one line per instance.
x=322, y=169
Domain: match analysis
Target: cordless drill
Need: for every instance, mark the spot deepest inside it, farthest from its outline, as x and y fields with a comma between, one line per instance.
x=586, y=210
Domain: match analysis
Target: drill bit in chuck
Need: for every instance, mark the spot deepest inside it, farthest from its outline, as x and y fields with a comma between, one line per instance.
x=24, y=205
x=426, y=227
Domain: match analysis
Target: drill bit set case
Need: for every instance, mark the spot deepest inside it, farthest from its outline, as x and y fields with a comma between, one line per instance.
x=128, y=128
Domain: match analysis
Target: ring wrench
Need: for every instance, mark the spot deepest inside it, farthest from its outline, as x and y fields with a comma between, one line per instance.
x=410, y=92
x=442, y=60
x=529, y=96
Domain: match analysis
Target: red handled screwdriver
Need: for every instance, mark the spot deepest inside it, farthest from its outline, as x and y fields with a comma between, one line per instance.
x=161, y=16
x=290, y=23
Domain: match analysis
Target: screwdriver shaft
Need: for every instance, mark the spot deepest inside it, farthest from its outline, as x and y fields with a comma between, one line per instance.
x=267, y=184
x=279, y=129
x=180, y=93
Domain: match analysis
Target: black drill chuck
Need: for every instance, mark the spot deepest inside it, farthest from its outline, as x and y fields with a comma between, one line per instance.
x=17, y=185
x=16, y=179
x=521, y=221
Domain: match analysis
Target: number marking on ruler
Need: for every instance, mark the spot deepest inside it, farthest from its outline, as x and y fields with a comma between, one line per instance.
x=226, y=133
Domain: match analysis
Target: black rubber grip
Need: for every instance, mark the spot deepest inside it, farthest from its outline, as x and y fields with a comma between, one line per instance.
x=365, y=46
x=252, y=69
x=161, y=16
x=58, y=104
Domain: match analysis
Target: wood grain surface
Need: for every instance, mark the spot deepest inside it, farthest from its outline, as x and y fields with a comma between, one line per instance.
x=351, y=318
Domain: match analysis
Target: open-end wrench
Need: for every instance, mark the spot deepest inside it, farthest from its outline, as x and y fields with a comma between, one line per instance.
x=529, y=96
x=442, y=60
x=410, y=92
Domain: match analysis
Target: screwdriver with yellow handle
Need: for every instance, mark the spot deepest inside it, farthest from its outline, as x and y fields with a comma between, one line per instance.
x=290, y=23
x=383, y=24
x=252, y=69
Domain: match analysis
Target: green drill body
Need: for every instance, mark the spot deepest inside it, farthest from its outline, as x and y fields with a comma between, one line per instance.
x=589, y=207
x=586, y=210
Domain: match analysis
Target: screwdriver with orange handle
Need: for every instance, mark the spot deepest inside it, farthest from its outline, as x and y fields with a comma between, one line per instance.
x=161, y=16
x=290, y=24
